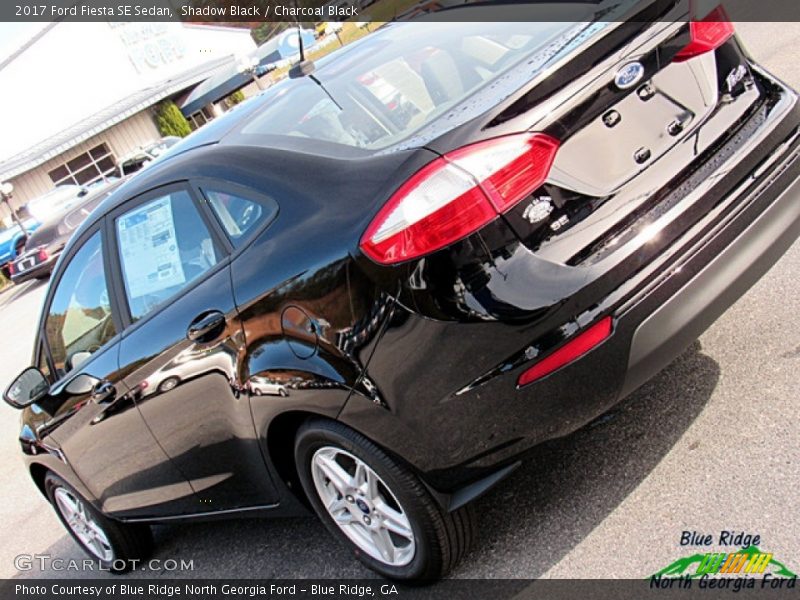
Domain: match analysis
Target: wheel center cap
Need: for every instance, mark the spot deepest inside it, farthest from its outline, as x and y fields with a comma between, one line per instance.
x=363, y=506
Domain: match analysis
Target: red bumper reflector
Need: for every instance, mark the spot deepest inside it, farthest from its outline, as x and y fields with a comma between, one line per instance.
x=572, y=350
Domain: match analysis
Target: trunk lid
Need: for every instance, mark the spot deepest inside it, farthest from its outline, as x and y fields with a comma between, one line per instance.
x=633, y=127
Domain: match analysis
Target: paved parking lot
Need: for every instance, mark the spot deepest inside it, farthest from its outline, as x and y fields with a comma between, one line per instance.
x=711, y=444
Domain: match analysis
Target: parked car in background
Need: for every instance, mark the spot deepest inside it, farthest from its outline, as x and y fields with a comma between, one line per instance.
x=562, y=209
x=12, y=242
x=101, y=183
x=45, y=244
x=262, y=70
x=55, y=201
x=137, y=160
x=40, y=209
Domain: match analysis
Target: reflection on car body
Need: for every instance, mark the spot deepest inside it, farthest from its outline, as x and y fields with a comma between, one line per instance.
x=373, y=291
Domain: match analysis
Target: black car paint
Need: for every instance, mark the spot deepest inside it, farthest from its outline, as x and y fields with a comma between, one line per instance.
x=392, y=352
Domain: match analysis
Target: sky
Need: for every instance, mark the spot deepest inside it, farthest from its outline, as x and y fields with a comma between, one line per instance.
x=13, y=35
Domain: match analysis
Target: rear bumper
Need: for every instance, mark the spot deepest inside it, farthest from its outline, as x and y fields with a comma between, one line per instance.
x=675, y=323
x=41, y=270
x=478, y=426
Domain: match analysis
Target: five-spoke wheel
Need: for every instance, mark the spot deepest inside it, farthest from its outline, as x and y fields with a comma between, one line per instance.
x=82, y=525
x=116, y=546
x=363, y=506
x=378, y=506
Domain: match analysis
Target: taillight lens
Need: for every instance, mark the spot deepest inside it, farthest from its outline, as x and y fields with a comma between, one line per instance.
x=12, y=268
x=569, y=352
x=709, y=34
x=457, y=194
x=43, y=256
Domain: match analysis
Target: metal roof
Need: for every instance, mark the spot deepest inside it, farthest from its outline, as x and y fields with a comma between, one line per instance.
x=102, y=120
x=227, y=79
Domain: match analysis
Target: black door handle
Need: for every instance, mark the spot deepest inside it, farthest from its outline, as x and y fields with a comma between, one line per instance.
x=206, y=326
x=104, y=392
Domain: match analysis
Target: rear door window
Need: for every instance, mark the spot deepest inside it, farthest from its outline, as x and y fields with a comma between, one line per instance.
x=164, y=246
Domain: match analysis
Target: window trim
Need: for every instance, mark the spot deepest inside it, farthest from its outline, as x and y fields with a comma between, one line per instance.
x=199, y=184
x=42, y=344
x=119, y=292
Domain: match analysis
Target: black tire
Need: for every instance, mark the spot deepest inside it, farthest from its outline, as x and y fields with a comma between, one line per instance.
x=130, y=543
x=441, y=538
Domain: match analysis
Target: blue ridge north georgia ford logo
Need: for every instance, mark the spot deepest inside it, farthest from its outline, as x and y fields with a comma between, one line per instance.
x=629, y=75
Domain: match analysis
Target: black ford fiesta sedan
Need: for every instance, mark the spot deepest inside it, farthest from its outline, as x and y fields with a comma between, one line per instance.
x=370, y=289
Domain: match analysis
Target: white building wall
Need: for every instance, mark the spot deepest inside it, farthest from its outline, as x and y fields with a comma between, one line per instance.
x=76, y=70
x=123, y=138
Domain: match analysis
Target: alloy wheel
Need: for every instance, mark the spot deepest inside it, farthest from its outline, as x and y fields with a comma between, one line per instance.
x=83, y=525
x=363, y=506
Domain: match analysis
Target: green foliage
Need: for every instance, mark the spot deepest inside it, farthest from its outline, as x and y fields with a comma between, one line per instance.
x=170, y=120
x=234, y=98
x=268, y=30
x=3, y=281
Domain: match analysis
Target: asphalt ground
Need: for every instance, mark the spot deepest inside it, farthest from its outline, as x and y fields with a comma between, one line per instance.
x=711, y=444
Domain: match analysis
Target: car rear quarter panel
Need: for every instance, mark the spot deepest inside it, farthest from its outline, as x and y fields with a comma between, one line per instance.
x=309, y=318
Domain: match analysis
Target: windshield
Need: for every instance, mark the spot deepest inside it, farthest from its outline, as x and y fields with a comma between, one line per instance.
x=386, y=88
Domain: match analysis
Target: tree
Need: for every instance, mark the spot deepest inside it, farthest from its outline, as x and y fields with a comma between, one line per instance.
x=267, y=30
x=170, y=120
x=234, y=99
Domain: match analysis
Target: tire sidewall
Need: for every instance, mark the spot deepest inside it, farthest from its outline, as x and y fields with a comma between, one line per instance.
x=311, y=440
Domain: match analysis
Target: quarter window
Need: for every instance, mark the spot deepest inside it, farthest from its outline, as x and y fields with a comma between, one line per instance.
x=238, y=215
x=79, y=320
x=164, y=245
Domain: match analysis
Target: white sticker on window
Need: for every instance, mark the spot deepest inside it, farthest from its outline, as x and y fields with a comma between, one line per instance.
x=150, y=256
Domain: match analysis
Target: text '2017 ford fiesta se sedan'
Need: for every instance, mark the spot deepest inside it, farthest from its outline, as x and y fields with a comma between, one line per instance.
x=371, y=288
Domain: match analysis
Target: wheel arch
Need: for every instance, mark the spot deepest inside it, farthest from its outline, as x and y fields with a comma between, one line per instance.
x=280, y=435
x=38, y=472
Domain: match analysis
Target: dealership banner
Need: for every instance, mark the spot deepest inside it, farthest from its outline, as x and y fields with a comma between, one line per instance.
x=255, y=11
x=356, y=589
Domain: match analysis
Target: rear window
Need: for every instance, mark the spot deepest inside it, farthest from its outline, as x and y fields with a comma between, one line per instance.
x=386, y=88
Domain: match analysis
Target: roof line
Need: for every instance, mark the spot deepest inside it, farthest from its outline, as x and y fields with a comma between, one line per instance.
x=84, y=129
x=35, y=38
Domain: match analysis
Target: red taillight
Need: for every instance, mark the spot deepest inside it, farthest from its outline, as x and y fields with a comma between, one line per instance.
x=12, y=268
x=456, y=195
x=709, y=34
x=572, y=350
x=42, y=255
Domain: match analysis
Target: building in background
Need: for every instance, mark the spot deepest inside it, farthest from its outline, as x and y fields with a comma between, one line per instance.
x=77, y=96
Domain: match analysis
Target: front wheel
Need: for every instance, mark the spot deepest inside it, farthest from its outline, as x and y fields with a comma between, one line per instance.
x=378, y=507
x=116, y=546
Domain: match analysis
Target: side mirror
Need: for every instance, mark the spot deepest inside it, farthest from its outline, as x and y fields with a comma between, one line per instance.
x=83, y=192
x=29, y=387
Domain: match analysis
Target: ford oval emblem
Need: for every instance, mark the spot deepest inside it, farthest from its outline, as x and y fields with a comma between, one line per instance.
x=629, y=75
